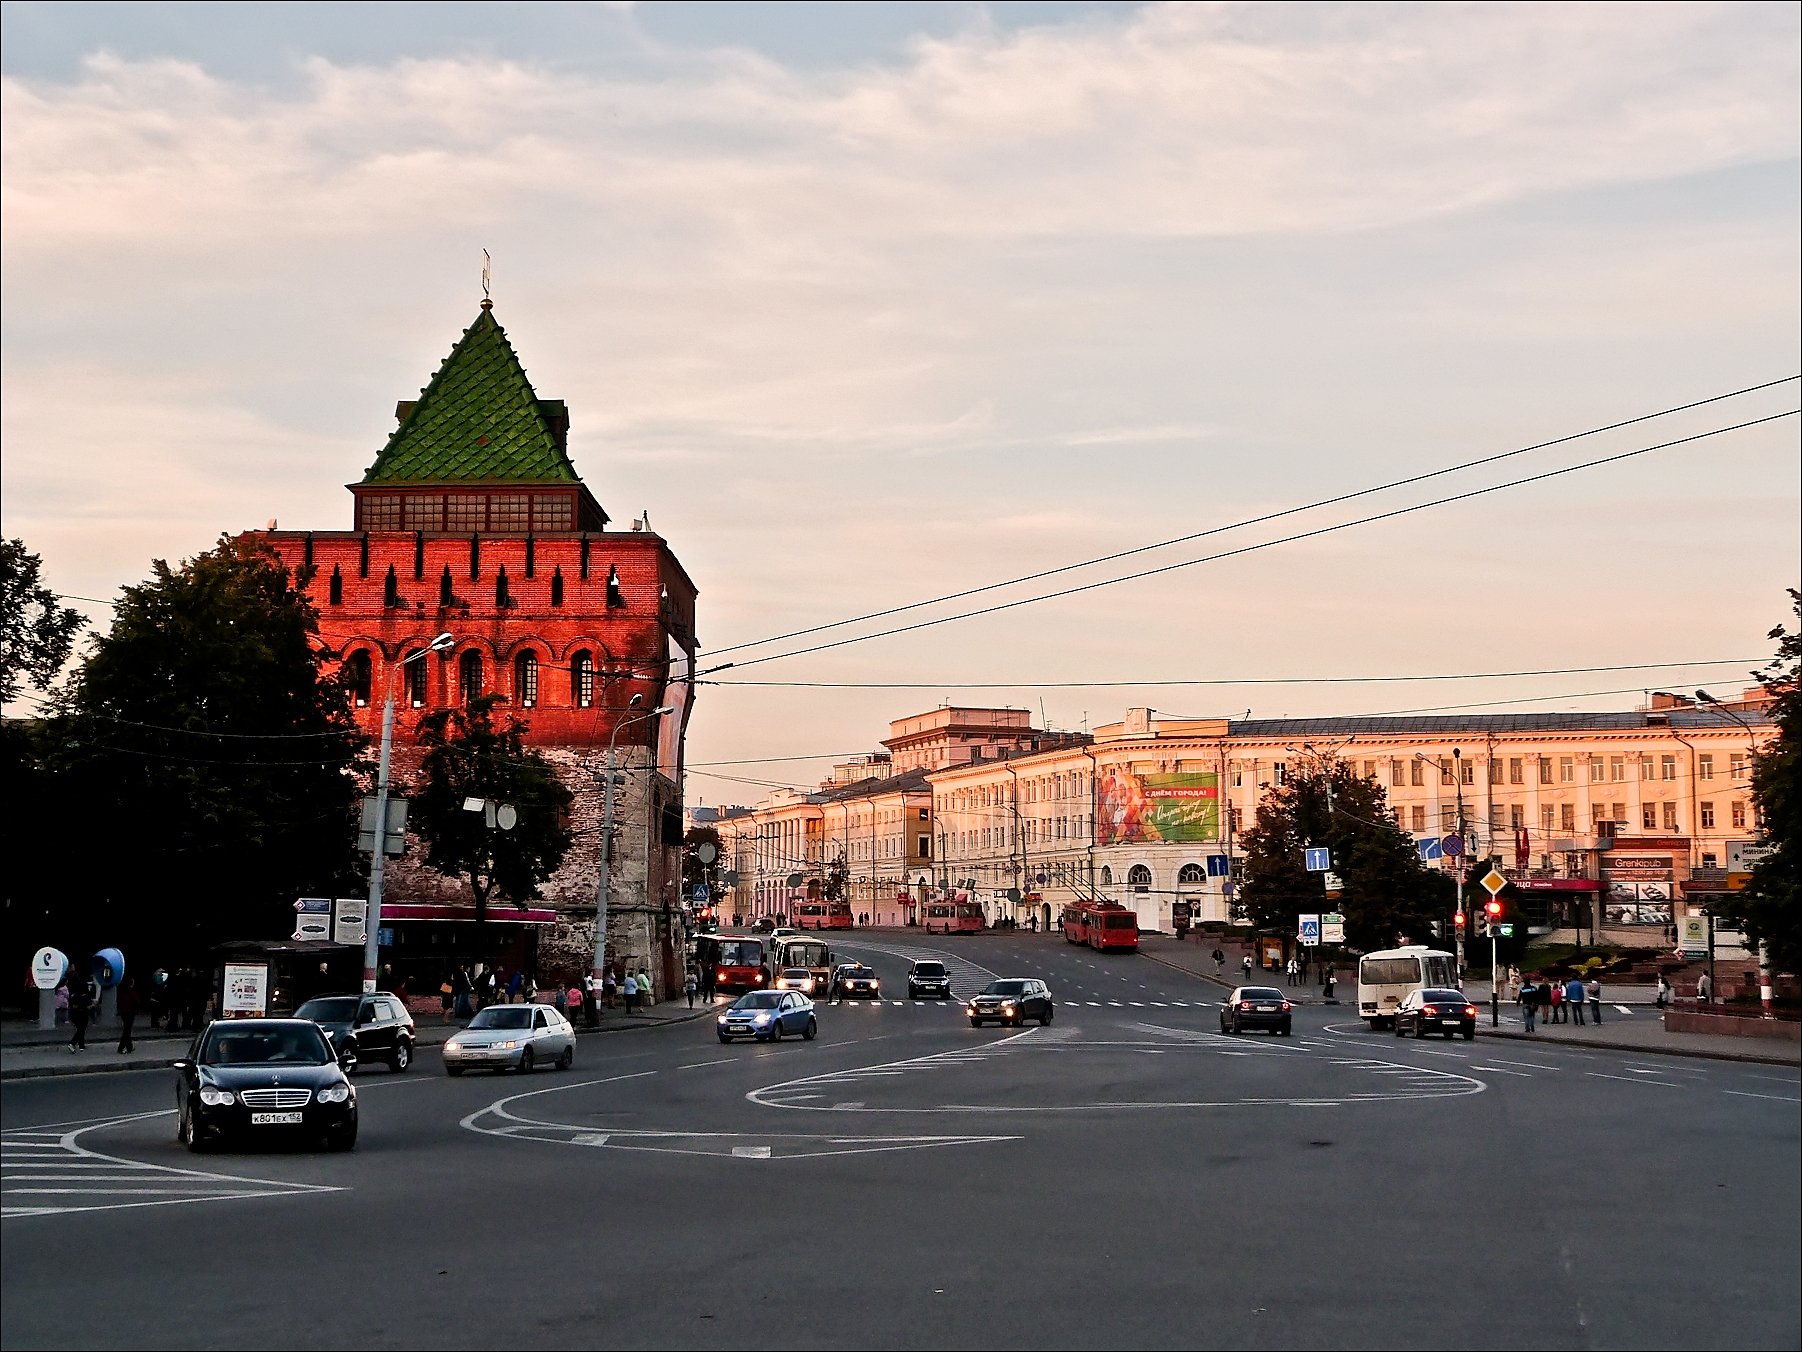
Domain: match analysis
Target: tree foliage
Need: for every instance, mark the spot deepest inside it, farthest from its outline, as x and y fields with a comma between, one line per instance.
x=471, y=755
x=1770, y=908
x=203, y=762
x=1388, y=895
x=837, y=885
x=36, y=634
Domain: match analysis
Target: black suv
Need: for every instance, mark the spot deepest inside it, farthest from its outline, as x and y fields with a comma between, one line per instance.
x=375, y=1027
x=928, y=978
x=1011, y=1001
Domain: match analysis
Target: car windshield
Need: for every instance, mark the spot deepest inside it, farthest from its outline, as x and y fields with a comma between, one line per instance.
x=758, y=1000
x=859, y=972
x=329, y=1009
x=1260, y=993
x=291, y=1044
x=929, y=969
x=741, y=954
x=503, y=1016
x=1443, y=997
x=1005, y=988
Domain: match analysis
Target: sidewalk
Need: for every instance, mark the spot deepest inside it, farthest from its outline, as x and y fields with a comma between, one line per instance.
x=1642, y=1030
x=28, y=1052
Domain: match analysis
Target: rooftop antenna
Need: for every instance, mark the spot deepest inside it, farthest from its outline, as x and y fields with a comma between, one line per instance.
x=487, y=301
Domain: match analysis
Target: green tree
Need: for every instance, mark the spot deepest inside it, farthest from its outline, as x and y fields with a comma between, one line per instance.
x=1770, y=907
x=837, y=886
x=204, y=766
x=470, y=755
x=1388, y=894
x=36, y=633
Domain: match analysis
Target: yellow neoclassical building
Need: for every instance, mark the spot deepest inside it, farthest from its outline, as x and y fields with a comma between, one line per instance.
x=1624, y=819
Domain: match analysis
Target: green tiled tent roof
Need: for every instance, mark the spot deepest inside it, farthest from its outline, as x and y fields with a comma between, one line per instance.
x=479, y=421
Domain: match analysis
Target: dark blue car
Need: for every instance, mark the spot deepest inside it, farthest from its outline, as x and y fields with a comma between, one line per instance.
x=769, y=1016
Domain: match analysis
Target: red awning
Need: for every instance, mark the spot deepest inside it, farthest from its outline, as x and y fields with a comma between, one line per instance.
x=498, y=912
x=1556, y=884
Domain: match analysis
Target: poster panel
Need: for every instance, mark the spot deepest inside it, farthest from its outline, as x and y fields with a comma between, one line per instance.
x=1153, y=808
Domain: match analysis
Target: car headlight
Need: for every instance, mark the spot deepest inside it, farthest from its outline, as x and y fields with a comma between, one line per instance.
x=216, y=1098
x=762, y=1018
x=722, y=1020
x=335, y=1093
x=453, y=1045
x=510, y=1044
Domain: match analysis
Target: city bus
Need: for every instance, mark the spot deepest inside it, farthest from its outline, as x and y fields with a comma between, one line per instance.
x=953, y=917
x=1385, y=978
x=1076, y=923
x=822, y=915
x=794, y=951
x=732, y=962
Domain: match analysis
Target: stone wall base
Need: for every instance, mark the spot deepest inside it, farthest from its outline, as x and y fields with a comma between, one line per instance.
x=1732, y=1025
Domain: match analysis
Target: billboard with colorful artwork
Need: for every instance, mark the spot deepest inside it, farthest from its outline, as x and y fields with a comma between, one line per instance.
x=1134, y=808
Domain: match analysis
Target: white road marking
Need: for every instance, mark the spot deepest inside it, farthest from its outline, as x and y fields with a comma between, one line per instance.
x=696, y=1065
x=1778, y=1098
x=1628, y=1079
x=1524, y=1074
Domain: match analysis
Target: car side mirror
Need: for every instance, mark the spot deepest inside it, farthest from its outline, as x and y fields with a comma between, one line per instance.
x=347, y=1059
x=184, y=1064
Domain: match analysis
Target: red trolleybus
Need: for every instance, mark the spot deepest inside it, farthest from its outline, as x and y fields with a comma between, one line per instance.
x=822, y=915
x=1076, y=923
x=953, y=917
x=732, y=962
x=1113, y=928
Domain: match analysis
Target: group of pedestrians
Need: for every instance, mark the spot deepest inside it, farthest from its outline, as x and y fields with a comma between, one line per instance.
x=1296, y=969
x=1544, y=1000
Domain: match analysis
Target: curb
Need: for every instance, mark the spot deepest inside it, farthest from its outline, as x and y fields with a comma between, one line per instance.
x=114, y=1068
x=1694, y=1053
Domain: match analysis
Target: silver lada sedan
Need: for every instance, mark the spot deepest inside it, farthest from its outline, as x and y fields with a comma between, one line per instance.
x=512, y=1037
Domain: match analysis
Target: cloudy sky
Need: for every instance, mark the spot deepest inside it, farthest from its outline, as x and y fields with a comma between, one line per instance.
x=870, y=304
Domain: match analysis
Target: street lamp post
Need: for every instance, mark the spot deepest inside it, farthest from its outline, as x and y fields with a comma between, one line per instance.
x=1766, y=992
x=372, y=923
x=1458, y=877
x=606, y=869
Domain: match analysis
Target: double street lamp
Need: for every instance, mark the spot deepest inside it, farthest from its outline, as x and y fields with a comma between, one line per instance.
x=372, y=923
x=606, y=868
x=1456, y=775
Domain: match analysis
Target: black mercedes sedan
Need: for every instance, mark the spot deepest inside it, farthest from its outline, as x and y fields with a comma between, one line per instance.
x=256, y=1079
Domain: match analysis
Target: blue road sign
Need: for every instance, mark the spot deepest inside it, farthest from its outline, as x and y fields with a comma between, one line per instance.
x=1310, y=929
x=384, y=936
x=700, y=892
x=1317, y=859
x=1219, y=866
x=1453, y=846
x=1429, y=849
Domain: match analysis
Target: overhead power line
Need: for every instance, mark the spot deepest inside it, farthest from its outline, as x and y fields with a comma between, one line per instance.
x=1254, y=521
x=1266, y=544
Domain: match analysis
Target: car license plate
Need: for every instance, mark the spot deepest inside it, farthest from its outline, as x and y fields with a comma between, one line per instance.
x=276, y=1119
x=1266, y=1009
x=1453, y=1023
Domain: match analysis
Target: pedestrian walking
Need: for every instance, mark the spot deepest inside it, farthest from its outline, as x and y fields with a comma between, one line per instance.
x=1593, y=989
x=591, y=999
x=1528, y=1000
x=690, y=984
x=1302, y=968
x=1555, y=998
x=1327, y=981
x=79, y=1010
x=62, y=1005
x=647, y=993
x=1219, y=962
x=447, y=998
x=128, y=1012
x=1245, y=966
x=609, y=987
x=1573, y=998
x=629, y=988
x=560, y=999
x=1663, y=998
x=1705, y=989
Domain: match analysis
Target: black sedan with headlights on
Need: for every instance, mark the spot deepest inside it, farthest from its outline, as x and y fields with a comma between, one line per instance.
x=265, y=1079
x=1257, y=1007
x=1010, y=1000
x=854, y=980
x=1434, y=1009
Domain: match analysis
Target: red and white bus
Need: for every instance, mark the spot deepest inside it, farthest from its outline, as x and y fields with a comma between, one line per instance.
x=1104, y=925
x=952, y=917
x=821, y=915
x=734, y=962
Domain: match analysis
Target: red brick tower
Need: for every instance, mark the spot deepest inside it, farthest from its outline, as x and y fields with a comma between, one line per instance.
x=472, y=521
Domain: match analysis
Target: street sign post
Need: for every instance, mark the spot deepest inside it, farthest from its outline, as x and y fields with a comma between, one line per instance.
x=1317, y=859
x=1309, y=930
x=350, y=917
x=1334, y=884
x=1332, y=928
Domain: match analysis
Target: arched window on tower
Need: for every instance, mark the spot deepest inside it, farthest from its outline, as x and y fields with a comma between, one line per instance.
x=581, y=680
x=525, y=680
x=357, y=677
x=414, y=676
x=1139, y=876
x=1107, y=876
x=469, y=676
x=1191, y=875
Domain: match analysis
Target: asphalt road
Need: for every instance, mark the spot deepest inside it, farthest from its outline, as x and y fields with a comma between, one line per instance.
x=1125, y=1177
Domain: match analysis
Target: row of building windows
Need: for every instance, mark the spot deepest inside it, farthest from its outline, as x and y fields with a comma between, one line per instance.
x=471, y=678
x=489, y=513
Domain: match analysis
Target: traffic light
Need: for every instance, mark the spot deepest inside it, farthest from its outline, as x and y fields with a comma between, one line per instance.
x=1492, y=916
x=1458, y=921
